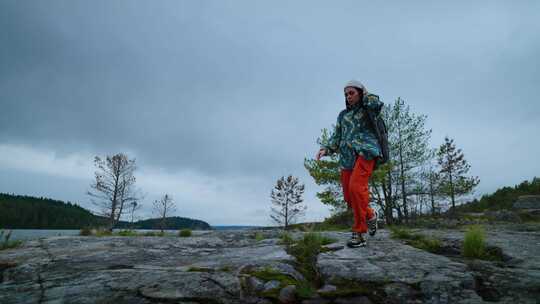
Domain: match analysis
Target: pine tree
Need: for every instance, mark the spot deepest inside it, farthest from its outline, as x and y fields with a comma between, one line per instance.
x=287, y=199
x=453, y=171
x=327, y=173
x=409, y=147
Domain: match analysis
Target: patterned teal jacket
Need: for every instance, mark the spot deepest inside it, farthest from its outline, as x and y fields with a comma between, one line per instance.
x=353, y=133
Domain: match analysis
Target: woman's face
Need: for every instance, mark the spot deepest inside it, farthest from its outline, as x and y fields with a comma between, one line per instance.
x=352, y=95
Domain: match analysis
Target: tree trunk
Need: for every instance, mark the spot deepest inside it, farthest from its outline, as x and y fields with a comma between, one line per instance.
x=431, y=194
x=402, y=177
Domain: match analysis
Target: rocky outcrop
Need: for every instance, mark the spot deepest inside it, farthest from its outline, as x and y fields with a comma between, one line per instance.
x=527, y=202
x=236, y=267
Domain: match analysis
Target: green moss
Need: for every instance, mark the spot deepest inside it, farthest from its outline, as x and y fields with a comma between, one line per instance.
x=200, y=269
x=269, y=274
x=271, y=293
x=102, y=232
x=327, y=240
x=127, y=233
x=419, y=241
x=258, y=236
x=10, y=244
x=304, y=290
x=184, y=233
x=226, y=268
x=428, y=244
x=400, y=232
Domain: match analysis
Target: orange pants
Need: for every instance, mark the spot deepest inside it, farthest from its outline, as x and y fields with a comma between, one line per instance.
x=356, y=192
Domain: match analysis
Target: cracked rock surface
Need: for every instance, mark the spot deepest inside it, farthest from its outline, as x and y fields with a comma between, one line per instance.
x=214, y=267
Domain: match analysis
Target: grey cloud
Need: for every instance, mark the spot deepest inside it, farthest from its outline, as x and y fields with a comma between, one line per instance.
x=243, y=87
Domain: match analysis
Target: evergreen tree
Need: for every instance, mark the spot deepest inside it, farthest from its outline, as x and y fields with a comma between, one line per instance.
x=327, y=173
x=287, y=199
x=409, y=147
x=453, y=171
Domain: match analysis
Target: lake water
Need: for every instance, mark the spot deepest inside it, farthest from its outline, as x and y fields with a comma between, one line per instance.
x=29, y=234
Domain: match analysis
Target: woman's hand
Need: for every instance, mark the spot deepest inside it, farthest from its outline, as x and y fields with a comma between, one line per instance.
x=321, y=153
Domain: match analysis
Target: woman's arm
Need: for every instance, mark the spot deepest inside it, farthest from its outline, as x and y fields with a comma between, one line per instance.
x=332, y=146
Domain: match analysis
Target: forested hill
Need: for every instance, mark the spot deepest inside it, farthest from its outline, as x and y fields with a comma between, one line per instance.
x=170, y=223
x=28, y=212
x=503, y=198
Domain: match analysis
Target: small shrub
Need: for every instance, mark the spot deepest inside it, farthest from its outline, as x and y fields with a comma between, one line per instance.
x=184, y=233
x=306, y=251
x=103, y=232
x=474, y=242
x=258, y=236
x=5, y=243
x=127, y=233
x=85, y=231
x=286, y=239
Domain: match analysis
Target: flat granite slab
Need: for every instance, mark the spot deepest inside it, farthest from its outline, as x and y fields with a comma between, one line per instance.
x=217, y=266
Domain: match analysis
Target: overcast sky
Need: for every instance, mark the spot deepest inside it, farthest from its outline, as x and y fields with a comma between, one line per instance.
x=217, y=99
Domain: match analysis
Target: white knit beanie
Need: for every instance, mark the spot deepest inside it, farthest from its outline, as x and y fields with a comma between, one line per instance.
x=356, y=84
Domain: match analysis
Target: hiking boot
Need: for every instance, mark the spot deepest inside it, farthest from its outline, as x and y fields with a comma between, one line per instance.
x=372, y=224
x=357, y=240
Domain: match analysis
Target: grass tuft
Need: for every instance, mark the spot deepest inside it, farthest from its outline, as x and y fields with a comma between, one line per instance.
x=474, y=243
x=286, y=239
x=86, y=231
x=306, y=251
x=258, y=236
x=126, y=233
x=419, y=241
x=5, y=243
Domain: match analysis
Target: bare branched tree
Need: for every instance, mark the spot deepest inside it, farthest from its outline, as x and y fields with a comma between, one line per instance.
x=287, y=197
x=163, y=208
x=114, y=186
x=133, y=206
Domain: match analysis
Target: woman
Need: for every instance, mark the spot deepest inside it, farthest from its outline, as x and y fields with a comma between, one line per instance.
x=358, y=148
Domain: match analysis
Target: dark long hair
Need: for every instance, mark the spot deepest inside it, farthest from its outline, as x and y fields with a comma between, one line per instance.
x=360, y=92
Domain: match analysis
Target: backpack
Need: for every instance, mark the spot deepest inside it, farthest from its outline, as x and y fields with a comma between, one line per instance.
x=381, y=131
